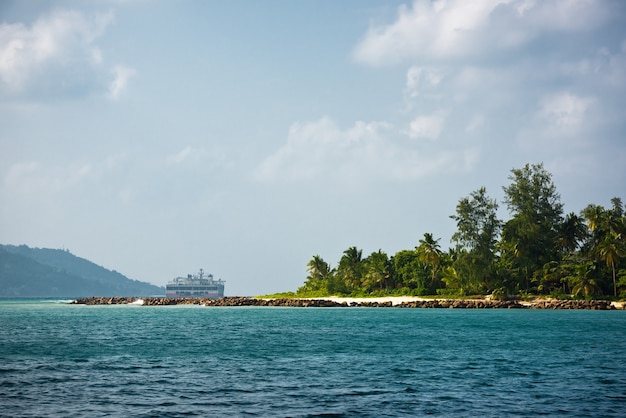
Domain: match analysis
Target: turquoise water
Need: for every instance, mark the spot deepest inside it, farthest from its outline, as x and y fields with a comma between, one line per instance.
x=72, y=360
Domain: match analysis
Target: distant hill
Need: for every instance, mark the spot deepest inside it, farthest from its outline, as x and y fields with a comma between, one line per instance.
x=44, y=272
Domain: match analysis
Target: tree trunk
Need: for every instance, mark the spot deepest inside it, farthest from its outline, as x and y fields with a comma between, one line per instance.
x=614, y=282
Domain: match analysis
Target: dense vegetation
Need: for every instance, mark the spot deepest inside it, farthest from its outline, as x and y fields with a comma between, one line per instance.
x=43, y=272
x=539, y=250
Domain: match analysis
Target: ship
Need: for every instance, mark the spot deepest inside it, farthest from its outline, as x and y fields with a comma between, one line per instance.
x=200, y=285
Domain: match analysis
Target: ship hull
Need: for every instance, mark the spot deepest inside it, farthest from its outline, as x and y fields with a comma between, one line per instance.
x=195, y=294
x=195, y=286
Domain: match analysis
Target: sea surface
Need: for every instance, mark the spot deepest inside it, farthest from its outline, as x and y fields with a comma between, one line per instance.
x=61, y=360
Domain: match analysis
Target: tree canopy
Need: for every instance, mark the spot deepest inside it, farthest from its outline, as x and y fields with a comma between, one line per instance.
x=537, y=250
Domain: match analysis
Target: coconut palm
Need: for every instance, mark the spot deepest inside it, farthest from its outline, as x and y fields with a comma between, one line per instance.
x=611, y=250
x=350, y=268
x=583, y=280
x=429, y=253
x=378, y=270
x=608, y=242
x=320, y=276
x=571, y=232
x=318, y=268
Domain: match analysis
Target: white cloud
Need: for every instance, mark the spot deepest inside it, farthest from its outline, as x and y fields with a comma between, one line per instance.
x=427, y=126
x=438, y=28
x=323, y=151
x=55, y=54
x=35, y=179
x=121, y=75
x=565, y=111
x=561, y=125
x=461, y=28
x=419, y=79
x=604, y=66
x=183, y=156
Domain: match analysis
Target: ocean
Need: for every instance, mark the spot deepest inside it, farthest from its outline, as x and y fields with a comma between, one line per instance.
x=67, y=360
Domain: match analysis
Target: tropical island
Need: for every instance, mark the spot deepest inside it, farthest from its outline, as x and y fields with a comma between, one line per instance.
x=538, y=258
x=538, y=252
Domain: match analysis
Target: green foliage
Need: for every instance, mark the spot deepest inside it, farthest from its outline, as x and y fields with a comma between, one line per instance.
x=583, y=279
x=280, y=295
x=350, y=270
x=536, y=251
x=530, y=237
x=377, y=271
x=501, y=293
x=607, y=242
x=429, y=253
x=410, y=272
x=476, y=237
x=557, y=293
x=621, y=283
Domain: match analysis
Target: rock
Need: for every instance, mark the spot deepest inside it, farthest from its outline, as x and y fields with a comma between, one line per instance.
x=323, y=303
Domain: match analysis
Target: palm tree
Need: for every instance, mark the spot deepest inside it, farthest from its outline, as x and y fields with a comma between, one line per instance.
x=594, y=214
x=551, y=275
x=453, y=280
x=317, y=267
x=583, y=280
x=320, y=276
x=429, y=253
x=611, y=251
x=571, y=232
x=609, y=234
x=350, y=267
x=378, y=269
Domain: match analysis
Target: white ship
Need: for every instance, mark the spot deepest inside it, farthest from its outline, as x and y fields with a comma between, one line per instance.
x=195, y=286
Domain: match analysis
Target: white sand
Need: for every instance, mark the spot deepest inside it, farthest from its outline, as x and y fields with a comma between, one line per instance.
x=395, y=300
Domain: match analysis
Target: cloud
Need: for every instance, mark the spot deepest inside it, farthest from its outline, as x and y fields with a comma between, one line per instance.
x=321, y=150
x=33, y=178
x=459, y=28
x=565, y=111
x=214, y=160
x=422, y=79
x=563, y=124
x=432, y=28
x=121, y=75
x=427, y=126
x=185, y=156
x=605, y=67
x=55, y=56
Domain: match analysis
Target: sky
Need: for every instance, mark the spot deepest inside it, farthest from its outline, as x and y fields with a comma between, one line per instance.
x=156, y=138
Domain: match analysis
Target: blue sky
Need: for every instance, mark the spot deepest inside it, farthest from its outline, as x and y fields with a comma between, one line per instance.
x=159, y=137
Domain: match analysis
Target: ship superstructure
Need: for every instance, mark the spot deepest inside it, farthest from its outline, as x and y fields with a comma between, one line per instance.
x=200, y=285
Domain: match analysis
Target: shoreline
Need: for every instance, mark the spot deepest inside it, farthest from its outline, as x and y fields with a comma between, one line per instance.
x=398, y=300
x=375, y=302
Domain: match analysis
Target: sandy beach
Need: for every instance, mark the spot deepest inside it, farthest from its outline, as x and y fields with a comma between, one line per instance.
x=395, y=300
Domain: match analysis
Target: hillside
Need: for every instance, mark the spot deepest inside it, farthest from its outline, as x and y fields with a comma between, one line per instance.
x=43, y=272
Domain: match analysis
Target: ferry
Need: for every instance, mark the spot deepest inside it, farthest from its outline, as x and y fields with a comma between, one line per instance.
x=195, y=286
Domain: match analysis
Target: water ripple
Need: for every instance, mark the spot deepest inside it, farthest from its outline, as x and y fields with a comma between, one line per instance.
x=142, y=361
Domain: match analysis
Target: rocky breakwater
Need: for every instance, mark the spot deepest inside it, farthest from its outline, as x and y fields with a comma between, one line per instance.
x=226, y=301
x=601, y=305
x=324, y=303
x=509, y=304
x=95, y=300
x=463, y=304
